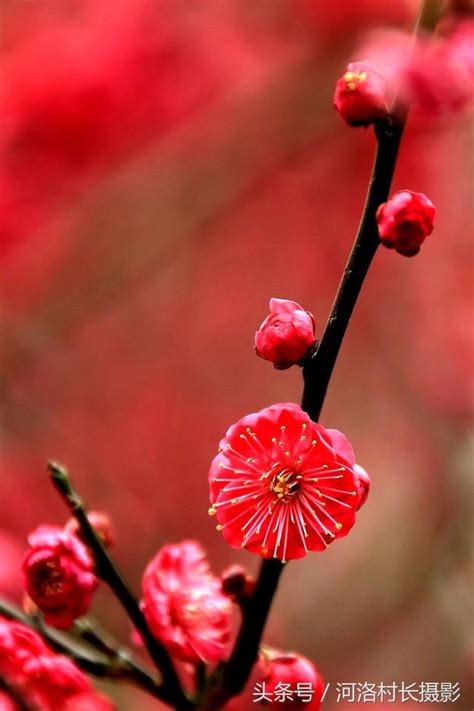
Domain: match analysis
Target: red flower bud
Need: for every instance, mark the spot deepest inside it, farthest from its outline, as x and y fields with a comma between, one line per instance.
x=58, y=575
x=289, y=680
x=184, y=605
x=102, y=523
x=237, y=583
x=362, y=482
x=287, y=334
x=361, y=95
x=405, y=221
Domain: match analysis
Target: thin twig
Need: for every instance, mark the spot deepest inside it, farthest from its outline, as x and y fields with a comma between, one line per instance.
x=93, y=663
x=170, y=690
x=233, y=676
x=120, y=666
x=122, y=657
x=90, y=631
x=317, y=370
x=200, y=675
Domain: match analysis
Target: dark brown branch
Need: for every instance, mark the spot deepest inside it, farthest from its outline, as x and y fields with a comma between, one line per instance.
x=170, y=689
x=121, y=657
x=92, y=663
x=230, y=679
x=91, y=632
x=121, y=665
x=318, y=370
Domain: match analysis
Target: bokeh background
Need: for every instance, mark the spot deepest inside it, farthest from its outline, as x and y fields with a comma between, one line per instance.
x=167, y=166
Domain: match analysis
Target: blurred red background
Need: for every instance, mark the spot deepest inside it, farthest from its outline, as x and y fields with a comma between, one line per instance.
x=165, y=168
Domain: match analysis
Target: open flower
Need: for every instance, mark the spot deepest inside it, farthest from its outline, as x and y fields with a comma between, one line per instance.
x=287, y=334
x=184, y=605
x=58, y=575
x=282, y=485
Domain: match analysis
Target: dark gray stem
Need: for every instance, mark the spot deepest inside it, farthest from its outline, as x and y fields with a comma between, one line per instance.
x=170, y=689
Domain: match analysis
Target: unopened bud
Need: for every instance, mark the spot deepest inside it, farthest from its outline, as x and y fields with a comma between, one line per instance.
x=102, y=524
x=361, y=95
x=237, y=583
x=405, y=221
x=287, y=334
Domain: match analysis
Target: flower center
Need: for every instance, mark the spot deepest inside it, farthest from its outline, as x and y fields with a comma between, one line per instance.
x=49, y=579
x=285, y=484
x=354, y=78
